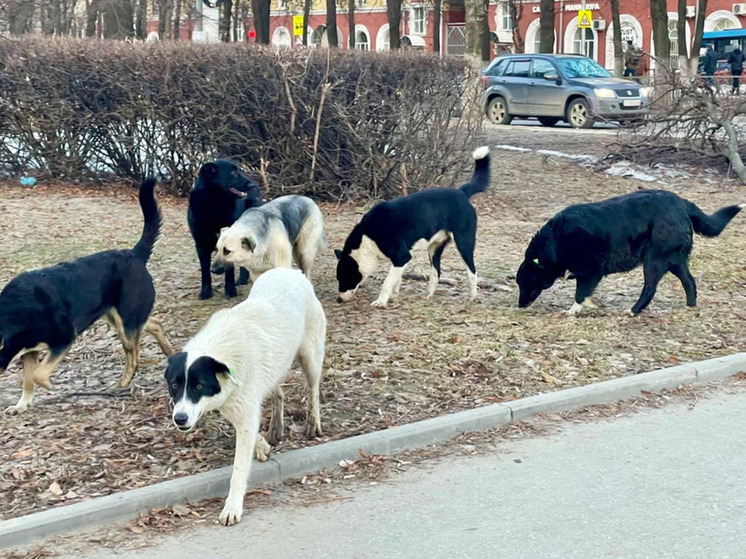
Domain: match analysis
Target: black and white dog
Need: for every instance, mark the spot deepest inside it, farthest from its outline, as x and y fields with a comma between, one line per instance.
x=242, y=356
x=45, y=310
x=391, y=229
x=272, y=236
x=220, y=195
x=590, y=241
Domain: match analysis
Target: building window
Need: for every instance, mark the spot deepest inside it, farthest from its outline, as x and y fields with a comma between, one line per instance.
x=506, y=24
x=418, y=20
x=361, y=41
x=362, y=3
x=673, y=36
x=537, y=42
x=723, y=24
x=590, y=44
x=629, y=33
x=318, y=35
x=282, y=4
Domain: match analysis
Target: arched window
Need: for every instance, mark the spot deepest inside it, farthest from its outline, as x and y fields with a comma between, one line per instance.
x=673, y=36
x=589, y=49
x=723, y=24
x=361, y=41
x=318, y=35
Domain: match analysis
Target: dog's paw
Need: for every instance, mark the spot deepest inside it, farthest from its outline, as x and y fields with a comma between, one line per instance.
x=378, y=303
x=15, y=410
x=575, y=309
x=231, y=292
x=262, y=449
x=231, y=513
x=206, y=293
x=312, y=431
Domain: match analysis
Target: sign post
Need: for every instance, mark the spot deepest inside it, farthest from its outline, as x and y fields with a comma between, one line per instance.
x=585, y=21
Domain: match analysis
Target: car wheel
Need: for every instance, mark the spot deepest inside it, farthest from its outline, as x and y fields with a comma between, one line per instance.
x=497, y=111
x=548, y=120
x=578, y=114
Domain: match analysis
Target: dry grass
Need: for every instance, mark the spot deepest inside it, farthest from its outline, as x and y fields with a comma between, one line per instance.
x=417, y=359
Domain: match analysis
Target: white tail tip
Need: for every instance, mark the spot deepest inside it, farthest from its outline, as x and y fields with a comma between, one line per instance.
x=742, y=206
x=481, y=152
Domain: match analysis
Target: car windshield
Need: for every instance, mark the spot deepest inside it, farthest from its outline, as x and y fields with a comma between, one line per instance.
x=582, y=68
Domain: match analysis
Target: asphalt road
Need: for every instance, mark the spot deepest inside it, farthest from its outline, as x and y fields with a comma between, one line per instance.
x=664, y=483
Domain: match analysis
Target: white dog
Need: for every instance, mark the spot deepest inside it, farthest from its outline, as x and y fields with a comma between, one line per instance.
x=240, y=357
x=272, y=236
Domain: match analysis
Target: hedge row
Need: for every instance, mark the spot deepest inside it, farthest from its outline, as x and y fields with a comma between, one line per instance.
x=334, y=123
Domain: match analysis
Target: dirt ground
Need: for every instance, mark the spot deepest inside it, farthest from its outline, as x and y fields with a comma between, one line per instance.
x=416, y=359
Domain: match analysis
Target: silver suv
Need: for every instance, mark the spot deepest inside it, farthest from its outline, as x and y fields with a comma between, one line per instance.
x=554, y=87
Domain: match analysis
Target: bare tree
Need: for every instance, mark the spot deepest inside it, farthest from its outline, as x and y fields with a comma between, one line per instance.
x=91, y=17
x=662, y=43
x=393, y=11
x=20, y=16
x=351, y=23
x=141, y=19
x=260, y=9
x=165, y=8
x=683, y=61
x=515, y=11
x=225, y=21
x=477, y=29
x=546, y=26
x=699, y=29
x=118, y=19
x=331, y=23
x=238, y=19
x=176, y=31
x=437, y=23
x=617, y=28
x=306, y=16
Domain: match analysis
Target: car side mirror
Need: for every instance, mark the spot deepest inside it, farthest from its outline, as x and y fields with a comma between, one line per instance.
x=552, y=77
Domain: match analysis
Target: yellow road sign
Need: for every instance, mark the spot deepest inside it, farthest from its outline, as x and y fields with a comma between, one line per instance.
x=585, y=18
x=298, y=26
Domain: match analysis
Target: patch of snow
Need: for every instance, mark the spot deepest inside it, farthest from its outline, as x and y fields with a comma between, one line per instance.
x=626, y=169
x=511, y=148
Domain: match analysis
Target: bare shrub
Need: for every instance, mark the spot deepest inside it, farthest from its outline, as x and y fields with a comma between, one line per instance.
x=692, y=123
x=333, y=123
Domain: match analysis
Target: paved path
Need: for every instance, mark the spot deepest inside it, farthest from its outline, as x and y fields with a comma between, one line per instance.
x=666, y=483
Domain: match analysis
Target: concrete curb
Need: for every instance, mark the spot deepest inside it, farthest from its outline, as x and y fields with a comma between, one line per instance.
x=295, y=463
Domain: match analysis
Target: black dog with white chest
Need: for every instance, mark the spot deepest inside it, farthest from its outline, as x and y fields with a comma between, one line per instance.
x=589, y=241
x=220, y=195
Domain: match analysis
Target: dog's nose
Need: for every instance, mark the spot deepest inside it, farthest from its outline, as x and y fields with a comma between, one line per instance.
x=181, y=419
x=340, y=300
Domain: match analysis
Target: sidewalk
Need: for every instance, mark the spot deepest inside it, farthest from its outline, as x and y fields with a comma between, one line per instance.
x=663, y=483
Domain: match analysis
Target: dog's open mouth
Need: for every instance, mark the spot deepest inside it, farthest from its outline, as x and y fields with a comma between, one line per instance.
x=238, y=192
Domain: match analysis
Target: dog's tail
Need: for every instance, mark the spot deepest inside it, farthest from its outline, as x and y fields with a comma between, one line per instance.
x=712, y=225
x=153, y=220
x=480, y=180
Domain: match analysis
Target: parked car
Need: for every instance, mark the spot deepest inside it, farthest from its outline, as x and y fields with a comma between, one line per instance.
x=554, y=87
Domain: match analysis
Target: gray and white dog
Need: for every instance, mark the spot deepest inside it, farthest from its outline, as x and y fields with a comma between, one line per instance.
x=272, y=236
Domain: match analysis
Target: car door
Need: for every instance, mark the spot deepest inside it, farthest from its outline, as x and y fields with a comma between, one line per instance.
x=545, y=97
x=514, y=80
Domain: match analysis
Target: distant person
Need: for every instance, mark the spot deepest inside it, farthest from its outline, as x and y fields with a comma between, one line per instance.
x=631, y=60
x=711, y=64
x=735, y=59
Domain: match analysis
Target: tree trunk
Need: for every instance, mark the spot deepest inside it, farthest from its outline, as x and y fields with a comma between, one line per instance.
x=306, y=16
x=176, y=32
x=515, y=10
x=236, y=21
x=699, y=29
x=331, y=23
x=164, y=18
x=437, y=24
x=477, y=29
x=20, y=14
x=118, y=20
x=659, y=15
x=260, y=9
x=141, y=19
x=681, y=32
x=351, y=23
x=617, y=26
x=393, y=11
x=546, y=26
x=225, y=21
x=91, y=15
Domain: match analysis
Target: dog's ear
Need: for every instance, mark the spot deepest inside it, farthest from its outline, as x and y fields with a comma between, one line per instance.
x=338, y=253
x=209, y=169
x=248, y=243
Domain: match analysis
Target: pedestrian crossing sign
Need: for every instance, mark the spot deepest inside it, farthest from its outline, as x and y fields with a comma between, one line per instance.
x=298, y=25
x=585, y=19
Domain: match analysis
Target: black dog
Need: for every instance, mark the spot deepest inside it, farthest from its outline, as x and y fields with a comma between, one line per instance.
x=45, y=310
x=220, y=195
x=590, y=241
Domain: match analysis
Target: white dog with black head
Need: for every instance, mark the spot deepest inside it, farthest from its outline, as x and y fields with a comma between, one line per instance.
x=240, y=357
